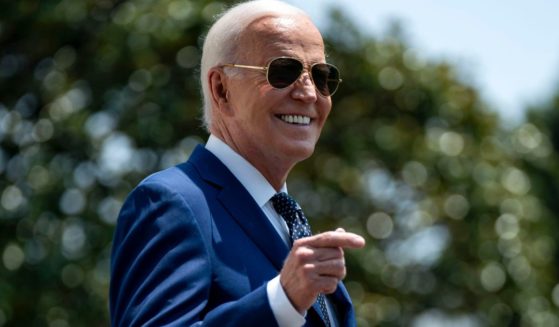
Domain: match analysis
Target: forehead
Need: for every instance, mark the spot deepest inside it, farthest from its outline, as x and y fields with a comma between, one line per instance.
x=274, y=36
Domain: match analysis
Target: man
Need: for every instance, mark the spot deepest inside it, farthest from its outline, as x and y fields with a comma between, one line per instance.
x=205, y=243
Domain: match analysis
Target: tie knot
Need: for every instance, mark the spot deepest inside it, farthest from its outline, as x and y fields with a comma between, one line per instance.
x=285, y=205
x=292, y=214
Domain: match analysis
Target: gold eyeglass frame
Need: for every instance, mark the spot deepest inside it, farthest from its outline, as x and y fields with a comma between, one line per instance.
x=307, y=68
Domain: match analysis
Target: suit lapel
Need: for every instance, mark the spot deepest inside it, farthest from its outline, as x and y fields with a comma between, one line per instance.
x=240, y=204
x=344, y=308
x=246, y=212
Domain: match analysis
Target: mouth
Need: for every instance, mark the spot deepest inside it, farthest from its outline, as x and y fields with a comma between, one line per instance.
x=296, y=119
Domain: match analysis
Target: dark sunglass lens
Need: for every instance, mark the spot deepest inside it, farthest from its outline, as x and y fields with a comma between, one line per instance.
x=326, y=78
x=282, y=72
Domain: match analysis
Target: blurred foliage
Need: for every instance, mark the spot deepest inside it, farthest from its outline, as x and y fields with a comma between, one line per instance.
x=459, y=212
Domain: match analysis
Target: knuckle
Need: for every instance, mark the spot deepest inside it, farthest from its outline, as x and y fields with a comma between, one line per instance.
x=343, y=269
x=304, y=254
x=308, y=268
x=337, y=264
x=330, y=235
x=344, y=272
x=341, y=264
x=330, y=286
x=327, y=235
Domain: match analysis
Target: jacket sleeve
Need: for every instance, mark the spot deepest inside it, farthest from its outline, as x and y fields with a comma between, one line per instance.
x=161, y=269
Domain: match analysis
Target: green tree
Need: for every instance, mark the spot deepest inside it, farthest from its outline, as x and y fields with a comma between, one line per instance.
x=458, y=212
x=413, y=157
x=95, y=95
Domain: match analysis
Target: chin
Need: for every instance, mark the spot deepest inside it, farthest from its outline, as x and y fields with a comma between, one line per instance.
x=300, y=153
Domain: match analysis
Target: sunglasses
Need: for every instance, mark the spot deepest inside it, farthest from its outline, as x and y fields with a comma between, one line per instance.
x=283, y=71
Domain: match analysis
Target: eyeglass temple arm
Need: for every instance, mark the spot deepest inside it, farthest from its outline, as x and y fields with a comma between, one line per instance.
x=247, y=67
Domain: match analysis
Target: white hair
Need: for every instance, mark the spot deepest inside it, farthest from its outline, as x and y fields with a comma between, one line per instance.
x=220, y=45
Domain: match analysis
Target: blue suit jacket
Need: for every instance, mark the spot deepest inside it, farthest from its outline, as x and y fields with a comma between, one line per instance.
x=192, y=247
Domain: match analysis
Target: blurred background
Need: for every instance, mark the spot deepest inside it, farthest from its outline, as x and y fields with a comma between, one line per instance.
x=452, y=182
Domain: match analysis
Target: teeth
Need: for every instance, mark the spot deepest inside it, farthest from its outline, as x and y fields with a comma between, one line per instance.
x=296, y=119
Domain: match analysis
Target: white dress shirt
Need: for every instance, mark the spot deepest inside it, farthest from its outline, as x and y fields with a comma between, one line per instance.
x=261, y=190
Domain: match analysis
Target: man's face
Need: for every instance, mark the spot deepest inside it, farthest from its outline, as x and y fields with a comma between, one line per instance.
x=258, y=124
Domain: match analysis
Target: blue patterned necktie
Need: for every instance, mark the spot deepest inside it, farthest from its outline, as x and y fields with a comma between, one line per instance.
x=298, y=228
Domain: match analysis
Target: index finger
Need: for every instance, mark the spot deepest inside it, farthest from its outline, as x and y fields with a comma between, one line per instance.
x=334, y=239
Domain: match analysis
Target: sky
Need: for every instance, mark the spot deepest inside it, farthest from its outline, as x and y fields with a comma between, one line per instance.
x=509, y=50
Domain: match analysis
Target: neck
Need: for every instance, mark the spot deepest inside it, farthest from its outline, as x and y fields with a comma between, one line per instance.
x=274, y=168
x=274, y=175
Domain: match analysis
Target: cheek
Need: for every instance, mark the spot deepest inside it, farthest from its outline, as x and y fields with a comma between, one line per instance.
x=257, y=116
x=325, y=109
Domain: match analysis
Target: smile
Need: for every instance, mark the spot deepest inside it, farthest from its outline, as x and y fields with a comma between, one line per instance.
x=296, y=119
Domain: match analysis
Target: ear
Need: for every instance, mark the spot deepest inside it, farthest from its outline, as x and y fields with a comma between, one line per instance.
x=217, y=81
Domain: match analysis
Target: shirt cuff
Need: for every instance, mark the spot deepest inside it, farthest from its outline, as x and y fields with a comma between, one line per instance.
x=284, y=312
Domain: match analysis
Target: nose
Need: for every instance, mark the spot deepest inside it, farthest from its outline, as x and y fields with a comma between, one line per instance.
x=304, y=88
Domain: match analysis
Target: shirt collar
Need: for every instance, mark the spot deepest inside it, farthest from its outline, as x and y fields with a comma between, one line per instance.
x=253, y=181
